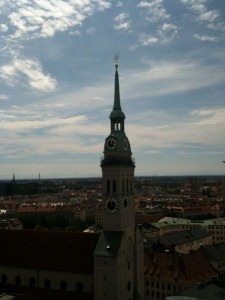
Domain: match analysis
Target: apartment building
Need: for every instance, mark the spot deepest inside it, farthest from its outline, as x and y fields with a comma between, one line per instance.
x=182, y=241
x=215, y=227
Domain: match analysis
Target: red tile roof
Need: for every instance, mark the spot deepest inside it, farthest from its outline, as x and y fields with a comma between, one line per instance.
x=48, y=250
x=184, y=269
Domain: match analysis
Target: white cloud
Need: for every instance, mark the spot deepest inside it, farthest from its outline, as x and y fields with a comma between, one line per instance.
x=167, y=32
x=209, y=116
x=3, y=97
x=202, y=112
x=208, y=16
x=3, y=27
x=91, y=30
x=154, y=10
x=121, y=22
x=31, y=72
x=203, y=15
x=119, y=4
x=28, y=125
x=206, y=38
x=201, y=129
x=199, y=8
x=147, y=40
x=164, y=78
x=44, y=18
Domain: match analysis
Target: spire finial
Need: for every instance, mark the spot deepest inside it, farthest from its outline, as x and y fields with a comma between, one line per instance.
x=116, y=58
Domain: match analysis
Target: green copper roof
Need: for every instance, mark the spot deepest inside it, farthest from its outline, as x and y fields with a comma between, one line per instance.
x=117, y=111
x=109, y=243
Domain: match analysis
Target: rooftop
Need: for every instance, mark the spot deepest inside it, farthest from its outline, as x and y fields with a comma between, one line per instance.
x=186, y=269
x=48, y=250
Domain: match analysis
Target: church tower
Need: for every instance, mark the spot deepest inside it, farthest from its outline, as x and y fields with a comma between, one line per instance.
x=119, y=273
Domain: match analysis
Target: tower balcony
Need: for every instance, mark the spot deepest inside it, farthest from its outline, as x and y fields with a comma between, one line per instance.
x=117, y=161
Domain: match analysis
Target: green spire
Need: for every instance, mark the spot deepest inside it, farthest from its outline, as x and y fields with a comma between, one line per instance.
x=117, y=111
x=117, y=91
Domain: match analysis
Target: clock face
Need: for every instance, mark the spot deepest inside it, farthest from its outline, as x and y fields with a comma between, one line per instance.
x=125, y=144
x=111, y=205
x=111, y=143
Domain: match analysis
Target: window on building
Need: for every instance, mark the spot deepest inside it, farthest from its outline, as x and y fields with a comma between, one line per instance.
x=63, y=285
x=17, y=280
x=108, y=186
x=128, y=286
x=4, y=278
x=32, y=282
x=80, y=287
x=47, y=283
x=114, y=186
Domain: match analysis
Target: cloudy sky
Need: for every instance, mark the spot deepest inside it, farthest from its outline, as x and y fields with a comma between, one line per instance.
x=57, y=85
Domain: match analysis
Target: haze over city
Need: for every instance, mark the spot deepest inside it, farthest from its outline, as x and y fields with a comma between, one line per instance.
x=57, y=85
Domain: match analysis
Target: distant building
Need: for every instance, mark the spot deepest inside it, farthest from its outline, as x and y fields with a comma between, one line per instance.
x=208, y=291
x=182, y=241
x=215, y=227
x=216, y=255
x=148, y=215
x=13, y=224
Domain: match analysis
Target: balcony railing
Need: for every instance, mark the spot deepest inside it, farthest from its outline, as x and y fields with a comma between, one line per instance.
x=117, y=161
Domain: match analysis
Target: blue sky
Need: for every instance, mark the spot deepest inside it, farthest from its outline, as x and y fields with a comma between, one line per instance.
x=57, y=85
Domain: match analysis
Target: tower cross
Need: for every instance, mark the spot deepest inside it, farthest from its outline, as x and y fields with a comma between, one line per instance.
x=116, y=58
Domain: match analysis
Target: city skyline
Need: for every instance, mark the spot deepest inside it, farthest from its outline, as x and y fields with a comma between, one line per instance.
x=57, y=85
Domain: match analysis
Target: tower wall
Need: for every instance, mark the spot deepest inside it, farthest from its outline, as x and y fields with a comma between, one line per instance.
x=118, y=257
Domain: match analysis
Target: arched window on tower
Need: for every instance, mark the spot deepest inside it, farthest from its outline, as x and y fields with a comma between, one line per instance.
x=63, y=285
x=127, y=185
x=108, y=186
x=114, y=186
x=4, y=278
x=79, y=287
x=119, y=126
x=47, y=283
x=123, y=186
x=32, y=282
x=17, y=280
